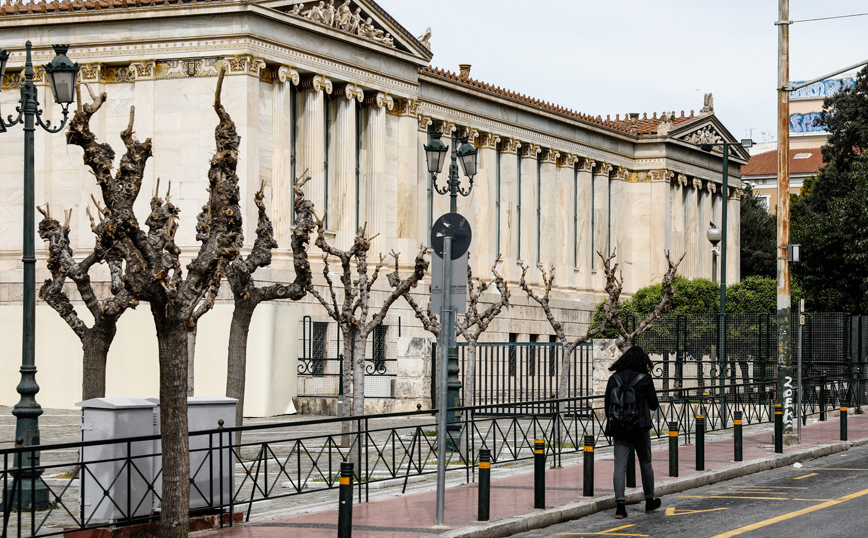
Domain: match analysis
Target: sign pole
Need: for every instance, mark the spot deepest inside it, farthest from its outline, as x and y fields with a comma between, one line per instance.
x=446, y=324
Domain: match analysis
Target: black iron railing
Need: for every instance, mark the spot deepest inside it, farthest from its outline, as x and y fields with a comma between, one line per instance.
x=283, y=460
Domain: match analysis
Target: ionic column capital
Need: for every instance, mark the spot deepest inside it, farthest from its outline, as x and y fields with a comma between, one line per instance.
x=349, y=91
x=380, y=99
x=315, y=83
x=285, y=73
x=697, y=183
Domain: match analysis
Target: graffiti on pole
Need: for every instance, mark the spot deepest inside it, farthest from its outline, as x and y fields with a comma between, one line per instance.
x=788, y=404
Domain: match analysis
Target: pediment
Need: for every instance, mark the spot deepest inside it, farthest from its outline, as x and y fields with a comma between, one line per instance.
x=709, y=130
x=364, y=20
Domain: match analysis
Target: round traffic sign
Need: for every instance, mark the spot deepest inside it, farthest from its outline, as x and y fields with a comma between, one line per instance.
x=455, y=226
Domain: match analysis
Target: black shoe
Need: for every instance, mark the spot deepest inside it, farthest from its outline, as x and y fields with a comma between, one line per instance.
x=621, y=510
x=651, y=505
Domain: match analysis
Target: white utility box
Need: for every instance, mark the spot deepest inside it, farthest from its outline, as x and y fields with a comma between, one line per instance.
x=110, y=470
x=206, y=456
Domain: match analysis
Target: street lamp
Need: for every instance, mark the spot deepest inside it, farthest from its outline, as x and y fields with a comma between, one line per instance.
x=713, y=235
x=61, y=74
x=467, y=154
x=744, y=143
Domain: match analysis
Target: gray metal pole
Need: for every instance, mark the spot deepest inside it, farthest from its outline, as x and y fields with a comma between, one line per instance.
x=443, y=348
x=721, y=321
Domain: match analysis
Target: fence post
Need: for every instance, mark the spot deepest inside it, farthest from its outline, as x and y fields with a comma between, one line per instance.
x=823, y=398
x=588, y=467
x=345, y=510
x=779, y=429
x=843, y=423
x=700, y=443
x=484, y=497
x=737, y=435
x=673, y=448
x=631, y=467
x=539, y=476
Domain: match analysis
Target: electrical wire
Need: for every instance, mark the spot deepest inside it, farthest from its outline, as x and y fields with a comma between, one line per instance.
x=830, y=18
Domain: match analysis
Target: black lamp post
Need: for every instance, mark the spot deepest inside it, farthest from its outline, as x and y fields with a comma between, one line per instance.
x=466, y=155
x=713, y=234
x=61, y=73
x=435, y=153
x=745, y=143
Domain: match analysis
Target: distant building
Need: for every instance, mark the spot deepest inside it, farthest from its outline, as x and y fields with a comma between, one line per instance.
x=806, y=138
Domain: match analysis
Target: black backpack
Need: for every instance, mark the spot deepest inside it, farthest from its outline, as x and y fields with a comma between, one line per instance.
x=624, y=406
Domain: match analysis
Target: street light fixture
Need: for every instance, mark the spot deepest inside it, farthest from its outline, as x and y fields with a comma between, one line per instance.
x=744, y=143
x=61, y=74
x=713, y=234
x=467, y=154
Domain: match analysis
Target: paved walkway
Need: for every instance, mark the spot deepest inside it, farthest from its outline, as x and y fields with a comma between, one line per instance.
x=512, y=509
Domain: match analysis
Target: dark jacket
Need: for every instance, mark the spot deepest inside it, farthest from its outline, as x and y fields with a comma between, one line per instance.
x=645, y=393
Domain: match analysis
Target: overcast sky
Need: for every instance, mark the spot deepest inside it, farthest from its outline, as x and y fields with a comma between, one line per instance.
x=618, y=56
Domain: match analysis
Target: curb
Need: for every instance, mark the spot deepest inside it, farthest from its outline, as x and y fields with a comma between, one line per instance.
x=544, y=518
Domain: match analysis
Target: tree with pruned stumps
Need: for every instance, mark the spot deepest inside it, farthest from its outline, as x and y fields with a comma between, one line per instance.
x=353, y=312
x=152, y=271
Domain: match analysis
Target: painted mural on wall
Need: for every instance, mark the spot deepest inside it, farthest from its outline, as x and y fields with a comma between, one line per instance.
x=821, y=89
x=805, y=123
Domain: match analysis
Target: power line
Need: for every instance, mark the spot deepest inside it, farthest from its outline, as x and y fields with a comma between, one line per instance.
x=830, y=18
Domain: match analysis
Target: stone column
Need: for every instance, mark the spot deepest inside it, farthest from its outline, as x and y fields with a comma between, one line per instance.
x=527, y=222
x=601, y=219
x=733, y=235
x=508, y=199
x=281, y=157
x=691, y=229
x=483, y=200
x=678, y=195
x=374, y=190
x=311, y=147
x=588, y=261
x=344, y=196
x=554, y=197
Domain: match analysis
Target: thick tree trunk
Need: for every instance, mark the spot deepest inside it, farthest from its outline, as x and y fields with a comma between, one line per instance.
x=566, y=362
x=470, y=374
x=191, y=361
x=237, y=367
x=95, y=345
x=172, y=343
x=359, y=373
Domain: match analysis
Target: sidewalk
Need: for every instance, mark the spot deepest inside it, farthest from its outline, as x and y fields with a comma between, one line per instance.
x=512, y=509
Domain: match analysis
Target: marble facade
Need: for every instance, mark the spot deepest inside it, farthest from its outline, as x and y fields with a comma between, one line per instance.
x=354, y=109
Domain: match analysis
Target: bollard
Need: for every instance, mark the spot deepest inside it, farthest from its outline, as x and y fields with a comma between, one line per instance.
x=484, y=499
x=843, y=423
x=779, y=429
x=737, y=437
x=673, y=448
x=631, y=467
x=823, y=401
x=700, y=443
x=345, y=510
x=588, y=483
x=539, y=476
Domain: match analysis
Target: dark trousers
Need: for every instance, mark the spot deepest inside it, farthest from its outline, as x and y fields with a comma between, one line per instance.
x=641, y=440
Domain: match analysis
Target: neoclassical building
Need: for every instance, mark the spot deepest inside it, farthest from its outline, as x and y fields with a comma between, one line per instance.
x=342, y=90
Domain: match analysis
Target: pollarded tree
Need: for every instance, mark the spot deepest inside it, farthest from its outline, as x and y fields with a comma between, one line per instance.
x=153, y=273
x=96, y=339
x=352, y=314
x=247, y=295
x=472, y=324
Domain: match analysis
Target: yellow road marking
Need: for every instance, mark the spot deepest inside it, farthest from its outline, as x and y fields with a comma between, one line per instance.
x=831, y=469
x=671, y=511
x=609, y=532
x=797, y=513
x=748, y=497
x=769, y=487
x=805, y=476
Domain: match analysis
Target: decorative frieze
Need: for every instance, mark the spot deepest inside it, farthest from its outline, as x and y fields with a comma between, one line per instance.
x=706, y=135
x=343, y=18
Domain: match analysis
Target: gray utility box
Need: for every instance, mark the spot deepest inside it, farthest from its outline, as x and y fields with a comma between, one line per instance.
x=206, y=456
x=109, y=471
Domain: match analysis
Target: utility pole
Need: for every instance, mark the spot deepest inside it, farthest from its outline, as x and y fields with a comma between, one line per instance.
x=785, y=361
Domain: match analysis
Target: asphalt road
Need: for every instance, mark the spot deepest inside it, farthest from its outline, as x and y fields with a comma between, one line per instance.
x=826, y=497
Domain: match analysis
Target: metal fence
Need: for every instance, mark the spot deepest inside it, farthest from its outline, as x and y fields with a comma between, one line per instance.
x=290, y=459
x=320, y=359
x=684, y=349
x=520, y=372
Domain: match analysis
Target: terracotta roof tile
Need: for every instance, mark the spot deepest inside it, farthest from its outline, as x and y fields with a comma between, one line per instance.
x=643, y=127
x=13, y=8
x=802, y=161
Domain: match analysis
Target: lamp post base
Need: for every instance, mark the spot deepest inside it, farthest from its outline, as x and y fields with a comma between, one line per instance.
x=34, y=493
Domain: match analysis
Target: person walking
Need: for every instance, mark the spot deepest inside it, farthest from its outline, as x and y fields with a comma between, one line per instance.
x=630, y=398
